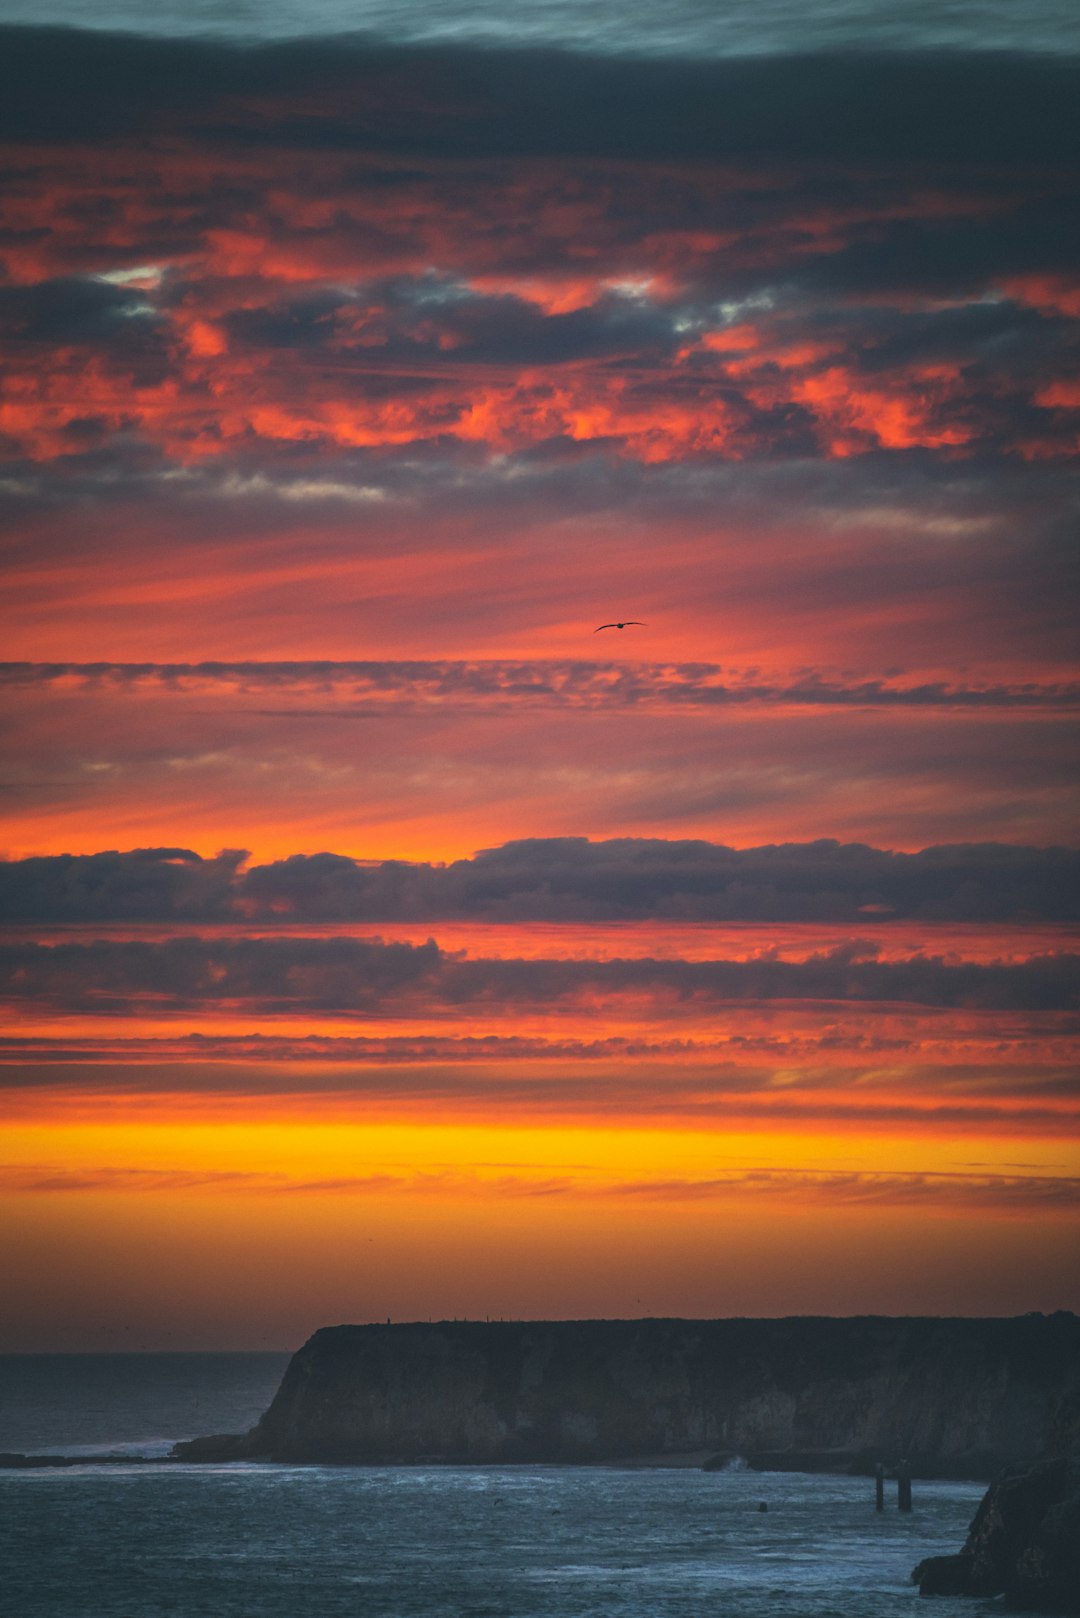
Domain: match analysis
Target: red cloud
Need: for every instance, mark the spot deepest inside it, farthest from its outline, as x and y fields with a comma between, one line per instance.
x=380, y=356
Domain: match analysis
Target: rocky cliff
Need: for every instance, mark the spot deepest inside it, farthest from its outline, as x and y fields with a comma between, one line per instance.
x=956, y=1397
x=1024, y=1543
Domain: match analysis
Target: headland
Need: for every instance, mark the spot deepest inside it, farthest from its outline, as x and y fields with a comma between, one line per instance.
x=957, y=1398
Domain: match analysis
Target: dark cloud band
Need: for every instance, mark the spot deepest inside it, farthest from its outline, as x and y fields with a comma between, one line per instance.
x=557, y=879
x=368, y=977
x=371, y=687
x=61, y=84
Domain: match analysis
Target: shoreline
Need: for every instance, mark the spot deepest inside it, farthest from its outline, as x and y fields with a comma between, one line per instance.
x=826, y=1463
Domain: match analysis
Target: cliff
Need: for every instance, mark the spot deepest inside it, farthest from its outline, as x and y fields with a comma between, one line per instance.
x=957, y=1398
x=1024, y=1543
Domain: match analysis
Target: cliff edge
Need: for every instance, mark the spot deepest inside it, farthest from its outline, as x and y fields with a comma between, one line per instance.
x=959, y=1398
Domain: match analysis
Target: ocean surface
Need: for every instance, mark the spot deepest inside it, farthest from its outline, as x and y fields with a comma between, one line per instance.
x=248, y=1541
x=140, y=1404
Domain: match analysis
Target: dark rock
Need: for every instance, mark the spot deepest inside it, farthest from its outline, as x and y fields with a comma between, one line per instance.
x=959, y=1398
x=10, y=1461
x=1024, y=1543
x=14, y=1462
x=842, y=1462
x=218, y=1447
x=1046, y=1571
x=943, y=1575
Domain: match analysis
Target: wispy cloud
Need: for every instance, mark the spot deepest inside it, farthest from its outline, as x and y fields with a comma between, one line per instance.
x=1026, y=1195
x=1035, y=1195
x=364, y=689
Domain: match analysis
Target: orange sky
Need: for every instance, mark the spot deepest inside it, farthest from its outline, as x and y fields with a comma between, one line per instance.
x=323, y=456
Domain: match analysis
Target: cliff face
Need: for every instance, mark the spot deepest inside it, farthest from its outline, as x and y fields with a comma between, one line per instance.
x=1024, y=1543
x=956, y=1397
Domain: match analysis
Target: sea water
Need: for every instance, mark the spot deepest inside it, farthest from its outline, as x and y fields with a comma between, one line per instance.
x=133, y=1540
x=138, y=1403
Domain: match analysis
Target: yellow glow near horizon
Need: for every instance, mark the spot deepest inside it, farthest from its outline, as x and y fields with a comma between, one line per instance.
x=587, y=1157
x=181, y=1226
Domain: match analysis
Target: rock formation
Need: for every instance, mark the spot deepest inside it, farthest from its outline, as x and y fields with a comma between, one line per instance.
x=957, y=1398
x=1024, y=1543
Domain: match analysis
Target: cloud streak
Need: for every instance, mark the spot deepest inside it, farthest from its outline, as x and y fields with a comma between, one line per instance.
x=979, y=1052
x=568, y=879
x=1028, y=1195
x=367, y=689
x=367, y=978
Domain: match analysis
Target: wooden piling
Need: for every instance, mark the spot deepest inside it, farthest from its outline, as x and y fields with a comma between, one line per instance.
x=879, y=1486
x=903, y=1486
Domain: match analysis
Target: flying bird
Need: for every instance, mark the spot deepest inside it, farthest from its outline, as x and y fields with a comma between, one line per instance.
x=623, y=625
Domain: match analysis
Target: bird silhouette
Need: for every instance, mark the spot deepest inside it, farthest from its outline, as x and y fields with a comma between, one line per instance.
x=623, y=625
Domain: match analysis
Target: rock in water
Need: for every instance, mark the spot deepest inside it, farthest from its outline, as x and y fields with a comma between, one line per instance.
x=1024, y=1543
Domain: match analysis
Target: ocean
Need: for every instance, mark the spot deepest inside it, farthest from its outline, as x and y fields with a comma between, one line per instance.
x=132, y=1540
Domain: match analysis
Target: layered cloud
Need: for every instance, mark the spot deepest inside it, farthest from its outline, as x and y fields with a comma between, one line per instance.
x=369, y=978
x=399, y=688
x=361, y=96
x=431, y=760
x=557, y=880
x=977, y=1054
x=347, y=388
x=320, y=250
x=673, y=351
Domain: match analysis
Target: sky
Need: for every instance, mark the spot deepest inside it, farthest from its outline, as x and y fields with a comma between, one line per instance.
x=379, y=938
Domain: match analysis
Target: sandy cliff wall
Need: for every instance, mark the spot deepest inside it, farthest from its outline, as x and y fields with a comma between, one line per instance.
x=955, y=1396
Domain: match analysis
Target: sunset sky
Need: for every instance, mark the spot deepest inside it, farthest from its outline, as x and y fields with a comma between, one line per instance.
x=379, y=940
